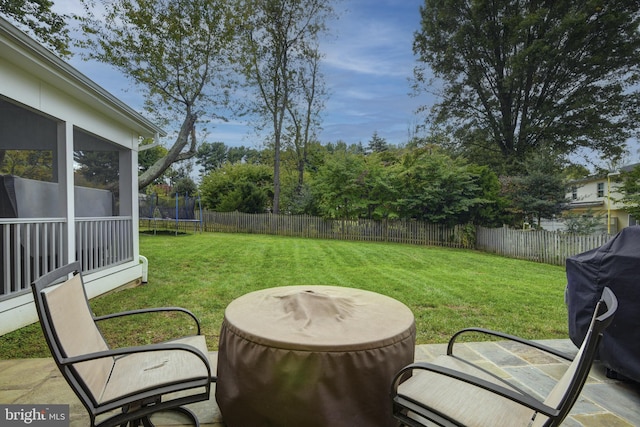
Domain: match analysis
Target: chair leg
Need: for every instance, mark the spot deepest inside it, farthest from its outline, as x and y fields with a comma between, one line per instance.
x=146, y=421
x=138, y=422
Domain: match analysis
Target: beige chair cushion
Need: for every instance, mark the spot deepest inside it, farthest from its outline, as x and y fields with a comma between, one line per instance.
x=473, y=406
x=77, y=333
x=146, y=370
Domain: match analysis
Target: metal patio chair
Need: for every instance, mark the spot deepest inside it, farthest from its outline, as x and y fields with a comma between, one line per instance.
x=119, y=386
x=455, y=392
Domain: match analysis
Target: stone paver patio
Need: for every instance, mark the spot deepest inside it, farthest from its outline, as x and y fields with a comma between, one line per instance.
x=603, y=403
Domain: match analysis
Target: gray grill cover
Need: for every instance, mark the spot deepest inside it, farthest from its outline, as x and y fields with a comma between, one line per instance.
x=615, y=264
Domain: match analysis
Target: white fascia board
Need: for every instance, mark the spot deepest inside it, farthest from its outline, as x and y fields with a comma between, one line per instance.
x=19, y=48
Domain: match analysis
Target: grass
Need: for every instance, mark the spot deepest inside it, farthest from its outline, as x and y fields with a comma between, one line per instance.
x=447, y=289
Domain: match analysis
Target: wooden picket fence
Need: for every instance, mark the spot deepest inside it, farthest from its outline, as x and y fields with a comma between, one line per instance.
x=540, y=246
x=410, y=232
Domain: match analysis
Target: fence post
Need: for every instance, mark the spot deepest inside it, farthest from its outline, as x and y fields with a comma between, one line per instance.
x=531, y=245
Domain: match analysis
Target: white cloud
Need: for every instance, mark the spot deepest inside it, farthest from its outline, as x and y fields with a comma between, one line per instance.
x=367, y=65
x=374, y=38
x=371, y=47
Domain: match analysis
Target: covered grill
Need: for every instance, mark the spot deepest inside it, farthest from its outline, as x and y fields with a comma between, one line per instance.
x=616, y=264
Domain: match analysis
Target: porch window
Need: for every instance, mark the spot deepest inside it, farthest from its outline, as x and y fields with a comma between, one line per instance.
x=96, y=172
x=34, y=225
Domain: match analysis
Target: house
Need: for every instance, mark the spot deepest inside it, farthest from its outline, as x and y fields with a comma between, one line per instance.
x=597, y=195
x=49, y=114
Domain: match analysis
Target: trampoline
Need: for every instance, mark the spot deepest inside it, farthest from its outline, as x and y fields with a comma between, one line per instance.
x=166, y=213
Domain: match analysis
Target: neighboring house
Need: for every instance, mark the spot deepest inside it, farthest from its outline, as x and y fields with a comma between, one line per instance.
x=596, y=195
x=49, y=109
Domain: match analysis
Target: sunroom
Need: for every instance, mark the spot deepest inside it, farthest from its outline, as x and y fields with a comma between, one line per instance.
x=68, y=177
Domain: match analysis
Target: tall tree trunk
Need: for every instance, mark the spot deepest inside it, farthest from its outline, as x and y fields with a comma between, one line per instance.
x=174, y=154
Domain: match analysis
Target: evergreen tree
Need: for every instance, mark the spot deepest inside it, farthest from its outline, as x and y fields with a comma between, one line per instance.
x=539, y=191
x=377, y=144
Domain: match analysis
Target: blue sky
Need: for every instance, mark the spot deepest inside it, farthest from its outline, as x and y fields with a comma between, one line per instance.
x=369, y=63
x=368, y=66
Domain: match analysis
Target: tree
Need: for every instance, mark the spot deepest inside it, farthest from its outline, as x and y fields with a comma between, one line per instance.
x=377, y=144
x=351, y=186
x=243, y=154
x=379, y=192
x=177, y=50
x=184, y=186
x=628, y=184
x=338, y=186
x=238, y=187
x=525, y=75
x=583, y=223
x=278, y=34
x=99, y=169
x=211, y=156
x=33, y=164
x=491, y=210
x=539, y=191
x=304, y=110
x=436, y=188
x=38, y=18
x=148, y=157
x=296, y=198
x=341, y=147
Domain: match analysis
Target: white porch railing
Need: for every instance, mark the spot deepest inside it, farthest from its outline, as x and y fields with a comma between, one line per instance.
x=103, y=242
x=32, y=247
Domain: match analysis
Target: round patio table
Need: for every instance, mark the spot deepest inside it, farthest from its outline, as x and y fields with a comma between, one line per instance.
x=311, y=356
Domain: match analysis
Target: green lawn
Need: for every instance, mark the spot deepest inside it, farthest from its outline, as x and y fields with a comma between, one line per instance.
x=447, y=289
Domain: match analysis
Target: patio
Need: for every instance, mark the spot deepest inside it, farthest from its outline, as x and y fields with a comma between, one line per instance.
x=603, y=402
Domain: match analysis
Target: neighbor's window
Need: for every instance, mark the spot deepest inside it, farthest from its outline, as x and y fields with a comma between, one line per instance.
x=601, y=189
x=574, y=193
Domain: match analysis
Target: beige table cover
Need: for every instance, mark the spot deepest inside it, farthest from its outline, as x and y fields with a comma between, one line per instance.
x=305, y=356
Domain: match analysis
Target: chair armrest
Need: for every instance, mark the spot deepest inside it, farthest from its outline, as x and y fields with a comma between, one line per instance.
x=149, y=310
x=529, y=343
x=521, y=398
x=138, y=349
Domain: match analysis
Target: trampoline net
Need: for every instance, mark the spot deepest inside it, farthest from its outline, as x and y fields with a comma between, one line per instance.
x=181, y=208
